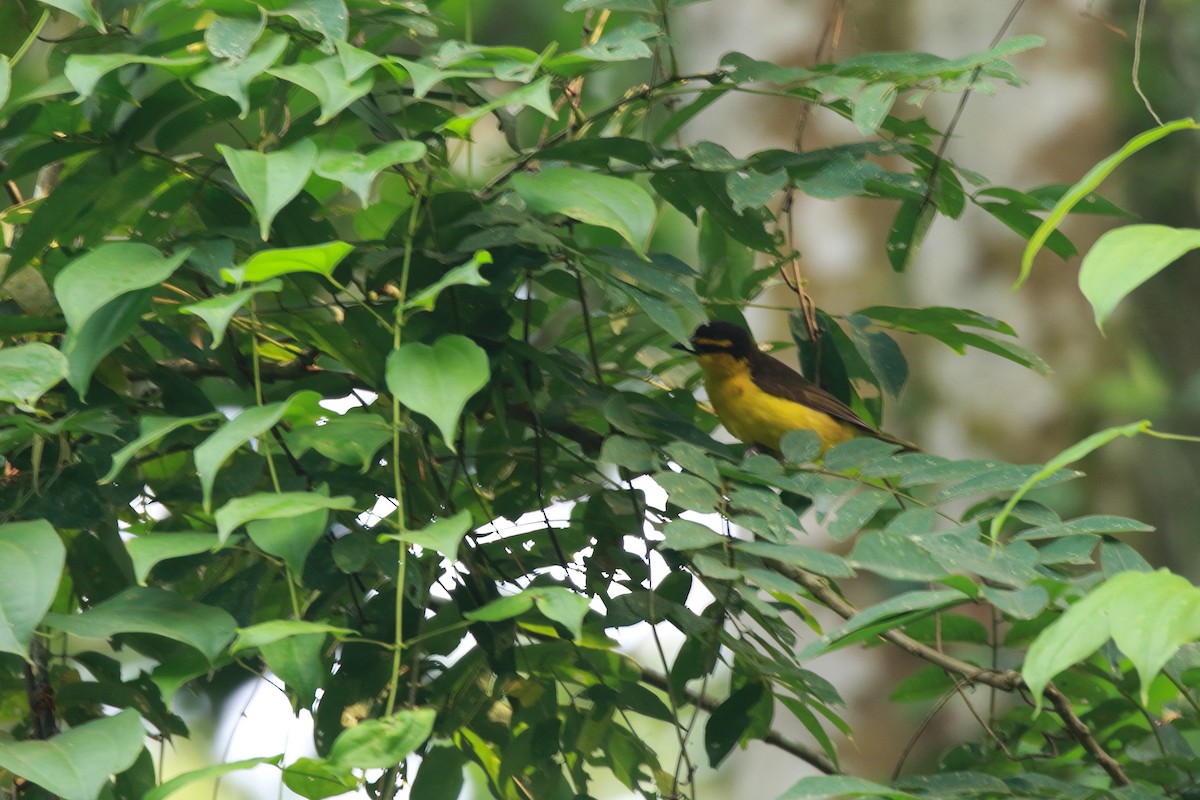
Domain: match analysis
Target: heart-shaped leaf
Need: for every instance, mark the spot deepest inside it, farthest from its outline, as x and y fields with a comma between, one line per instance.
x=438, y=380
x=271, y=180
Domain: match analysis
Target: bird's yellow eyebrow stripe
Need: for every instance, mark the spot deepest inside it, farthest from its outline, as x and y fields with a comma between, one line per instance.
x=713, y=342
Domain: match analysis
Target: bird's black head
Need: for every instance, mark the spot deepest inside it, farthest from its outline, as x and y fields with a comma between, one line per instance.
x=723, y=337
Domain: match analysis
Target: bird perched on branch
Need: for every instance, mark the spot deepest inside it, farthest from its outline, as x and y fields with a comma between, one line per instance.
x=758, y=399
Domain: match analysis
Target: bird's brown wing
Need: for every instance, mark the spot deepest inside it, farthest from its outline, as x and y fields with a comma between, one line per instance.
x=777, y=378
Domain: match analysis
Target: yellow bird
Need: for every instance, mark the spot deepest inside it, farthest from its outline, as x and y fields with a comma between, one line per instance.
x=758, y=399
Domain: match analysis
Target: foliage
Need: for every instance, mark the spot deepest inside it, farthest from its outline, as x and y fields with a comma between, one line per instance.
x=229, y=219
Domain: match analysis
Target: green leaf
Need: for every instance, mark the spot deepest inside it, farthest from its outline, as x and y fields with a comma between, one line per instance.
x=800, y=447
x=329, y=18
x=31, y=564
x=822, y=563
x=149, y=549
x=271, y=180
x=444, y=536
x=899, y=606
x=291, y=537
x=685, y=534
x=91, y=281
x=535, y=95
x=688, y=491
x=463, y=275
x=267, y=264
x=438, y=380
x=750, y=189
x=327, y=80
x=85, y=71
x=210, y=454
x=383, y=743
x=729, y=721
x=233, y=79
x=218, y=311
x=353, y=438
x=1093, y=523
x=28, y=371
x=83, y=9
x=1149, y=615
x=1088, y=183
x=5, y=80
x=1123, y=259
x=357, y=172
x=168, y=788
x=563, y=606
x=871, y=106
x=440, y=776
x=613, y=203
x=75, y=764
x=275, y=630
x=1068, y=456
x=139, y=610
x=315, y=778
x=232, y=37
x=269, y=505
x=507, y=607
x=820, y=787
x=150, y=431
x=85, y=347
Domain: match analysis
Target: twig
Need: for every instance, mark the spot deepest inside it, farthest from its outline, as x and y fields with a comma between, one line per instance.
x=1137, y=60
x=1007, y=680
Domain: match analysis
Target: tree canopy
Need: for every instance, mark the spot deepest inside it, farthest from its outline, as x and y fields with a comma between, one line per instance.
x=337, y=348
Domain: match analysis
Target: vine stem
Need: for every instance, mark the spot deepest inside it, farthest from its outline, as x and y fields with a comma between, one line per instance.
x=397, y=473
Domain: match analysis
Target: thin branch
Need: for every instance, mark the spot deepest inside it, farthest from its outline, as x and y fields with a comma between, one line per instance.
x=1007, y=680
x=1137, y=60
x=939, y=156
x=798, y=749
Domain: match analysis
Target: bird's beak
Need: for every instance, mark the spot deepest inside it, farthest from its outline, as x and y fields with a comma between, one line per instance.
x=683, y=347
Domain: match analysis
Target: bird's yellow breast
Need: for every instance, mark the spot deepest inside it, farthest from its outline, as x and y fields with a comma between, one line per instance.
x=756, y=417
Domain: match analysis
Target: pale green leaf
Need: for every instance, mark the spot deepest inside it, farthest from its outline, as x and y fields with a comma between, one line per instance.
x=31, y=564
x=84, y=71
x=385, y=742
x=444, y=535
x=252, y=422
x=140, y=610
x=150, y=431
x=438, y=380
x=1123, y=259
x=357, y=171
x=271, y=180
x=111, y=270
x=271, y=505
x=322, y=259
x=265, y=633
x=614, y=203
x=218, y=311
x=463, y=275
x=1088, y=183
x=28, y=371
x=232, y=37
x=149, y=549
x=327, y=80
x=232, y=79
x=168, y=788
x=75, y=764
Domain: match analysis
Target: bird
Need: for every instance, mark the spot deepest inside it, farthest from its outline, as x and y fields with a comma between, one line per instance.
x=758, y=398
